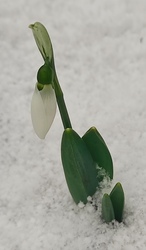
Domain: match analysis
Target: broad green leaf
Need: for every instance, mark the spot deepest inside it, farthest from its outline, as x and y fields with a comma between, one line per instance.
x=117, y=198
x=79, y=167
x=107, y=209
x=99, y=151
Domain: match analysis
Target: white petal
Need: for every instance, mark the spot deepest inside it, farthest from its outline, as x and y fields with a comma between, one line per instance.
x=43, y=110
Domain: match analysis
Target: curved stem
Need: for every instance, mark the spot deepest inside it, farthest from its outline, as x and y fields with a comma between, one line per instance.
x=61, y=104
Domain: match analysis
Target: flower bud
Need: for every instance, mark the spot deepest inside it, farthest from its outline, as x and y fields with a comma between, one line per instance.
x=45, y=74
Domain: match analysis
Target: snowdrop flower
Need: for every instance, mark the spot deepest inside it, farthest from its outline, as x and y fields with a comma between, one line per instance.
x=43, y=105
x=43, y=109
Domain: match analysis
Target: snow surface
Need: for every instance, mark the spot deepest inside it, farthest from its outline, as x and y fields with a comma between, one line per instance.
x=100, y=55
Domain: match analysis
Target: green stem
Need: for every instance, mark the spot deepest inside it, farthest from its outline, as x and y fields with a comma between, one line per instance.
x=59, y=95
x=61, y=104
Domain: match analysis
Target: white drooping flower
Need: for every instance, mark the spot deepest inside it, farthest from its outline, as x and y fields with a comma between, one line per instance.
x=43, y=109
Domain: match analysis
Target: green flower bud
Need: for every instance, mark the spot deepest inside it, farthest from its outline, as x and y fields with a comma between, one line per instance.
x=45, y=74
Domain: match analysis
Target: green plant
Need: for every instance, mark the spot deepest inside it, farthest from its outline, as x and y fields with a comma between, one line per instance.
x=113, y=204
x=83, y=158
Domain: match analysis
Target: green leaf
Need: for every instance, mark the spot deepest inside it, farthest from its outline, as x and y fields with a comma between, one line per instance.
x=107, y=209
x=79, y=167
x=117, y=198
x=99, y=150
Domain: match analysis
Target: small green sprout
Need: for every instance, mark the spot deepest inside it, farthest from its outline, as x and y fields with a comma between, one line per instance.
x=113, y=204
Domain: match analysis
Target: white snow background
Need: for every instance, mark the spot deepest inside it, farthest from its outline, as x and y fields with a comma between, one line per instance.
x=100, y=55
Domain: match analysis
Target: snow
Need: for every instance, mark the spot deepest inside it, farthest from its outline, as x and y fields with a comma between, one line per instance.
x=100, y=55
